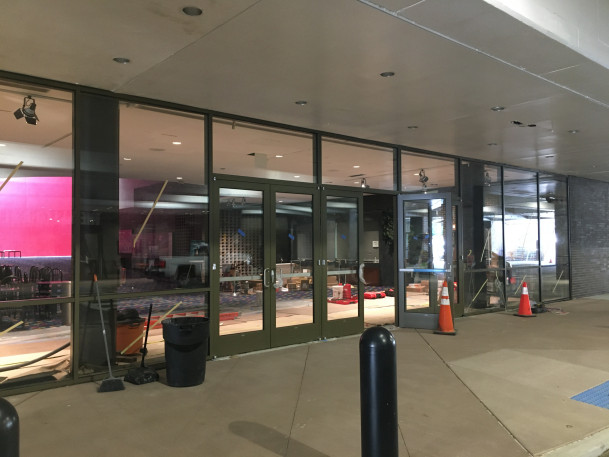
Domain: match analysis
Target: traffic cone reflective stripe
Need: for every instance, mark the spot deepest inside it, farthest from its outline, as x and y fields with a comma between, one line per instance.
x=524, y=310
x=445, y=318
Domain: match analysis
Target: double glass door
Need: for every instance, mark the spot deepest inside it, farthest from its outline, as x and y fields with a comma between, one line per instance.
x=424, y=256
x=277, y=269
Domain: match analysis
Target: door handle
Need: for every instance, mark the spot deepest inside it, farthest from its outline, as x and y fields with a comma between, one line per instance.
x=274, y=280
x=264, y=277
x=361, y=273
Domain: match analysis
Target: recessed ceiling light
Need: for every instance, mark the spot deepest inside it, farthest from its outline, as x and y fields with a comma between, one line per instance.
x=192, y=11
x=122, y=60
x=297, y=176
x=301, y=102
x=355, y=166
x=498, y=108
x=127, y=158
x=549, y=157
x=2, y=145
x=177, y=143
x=387, y=74
x=179, y=178
x=574, y=131
x=279, y=156
x=516, y=122
x=412, y=127
x=492, y=144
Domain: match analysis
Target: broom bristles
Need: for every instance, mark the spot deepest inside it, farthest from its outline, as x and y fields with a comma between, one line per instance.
x=111, y=385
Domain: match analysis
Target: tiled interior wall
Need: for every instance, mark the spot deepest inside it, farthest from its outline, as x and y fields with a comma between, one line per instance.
x=588, y=214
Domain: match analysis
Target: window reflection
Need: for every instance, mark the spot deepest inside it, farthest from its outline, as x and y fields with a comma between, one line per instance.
x=521, y=234
x=36, y=169
x=553, y=237
x=346, y=163
x=163, y=207
x=484, y=274
x=246, y=149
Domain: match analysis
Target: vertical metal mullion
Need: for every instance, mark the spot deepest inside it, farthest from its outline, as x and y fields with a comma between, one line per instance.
x=505, y=295
x=539, y=274
x=568, y=209
x=397, y=169
x=74, y=334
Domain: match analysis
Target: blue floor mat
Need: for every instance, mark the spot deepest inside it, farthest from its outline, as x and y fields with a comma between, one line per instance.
x=597, y=396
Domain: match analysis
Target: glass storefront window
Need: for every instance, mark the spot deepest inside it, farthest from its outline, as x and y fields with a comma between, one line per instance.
x=553, y=237
x=258, y=151
x=483, y=274
x=425, y=173
x=521, y=234
x=36, y=170
x=148, y=230
x=125, y=320
x=346, y=163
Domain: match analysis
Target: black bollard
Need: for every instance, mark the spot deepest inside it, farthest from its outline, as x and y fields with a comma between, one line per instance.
x=378, y=393
x=9, y=429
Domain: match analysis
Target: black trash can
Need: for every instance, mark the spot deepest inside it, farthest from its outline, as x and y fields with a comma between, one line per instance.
x=186, y=342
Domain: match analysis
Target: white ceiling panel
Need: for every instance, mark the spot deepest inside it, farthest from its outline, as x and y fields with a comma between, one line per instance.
x=452, y=61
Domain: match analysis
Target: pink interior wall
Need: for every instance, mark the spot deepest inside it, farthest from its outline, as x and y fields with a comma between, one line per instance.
x=36, y=216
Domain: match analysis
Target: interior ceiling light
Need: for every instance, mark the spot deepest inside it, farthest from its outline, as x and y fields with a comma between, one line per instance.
x=28, y=111
x=492, y=144
x=192, y=11
x=574, y=131
x=387, y=74
x=356, y=166
x=177, y=143
x=363, y=183
x=127, y=158
x=301, y=102
x=498, y=108
x=413, y=127
x=122, y=60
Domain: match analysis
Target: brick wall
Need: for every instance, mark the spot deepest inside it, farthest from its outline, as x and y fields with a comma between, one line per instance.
x=589, y=217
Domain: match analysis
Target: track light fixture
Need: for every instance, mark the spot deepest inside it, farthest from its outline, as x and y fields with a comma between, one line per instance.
x=363, y=184
x=487, y=179
x=423, y=178
x=28, y=110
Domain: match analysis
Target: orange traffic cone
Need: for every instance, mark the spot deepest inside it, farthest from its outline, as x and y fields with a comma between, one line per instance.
x=524, y=310
x=445, y=319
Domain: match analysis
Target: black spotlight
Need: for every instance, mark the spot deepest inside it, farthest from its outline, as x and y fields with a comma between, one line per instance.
x=28, y=110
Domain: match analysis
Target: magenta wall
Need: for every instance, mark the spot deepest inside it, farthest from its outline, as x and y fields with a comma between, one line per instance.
x=36, y=216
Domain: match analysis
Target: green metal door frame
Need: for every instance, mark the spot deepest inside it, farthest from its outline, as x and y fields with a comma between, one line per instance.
x=270, y=335
x=415, y=319
x=347, y=326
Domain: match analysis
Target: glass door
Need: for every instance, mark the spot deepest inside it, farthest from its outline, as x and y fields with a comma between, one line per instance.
x=295, y=318
x=241, y=275
x=343, y=306
x=263, y=269
x=424, y=256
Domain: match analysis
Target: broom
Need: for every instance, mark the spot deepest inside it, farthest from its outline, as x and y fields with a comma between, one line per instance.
x=110, y=384
x=143, y=374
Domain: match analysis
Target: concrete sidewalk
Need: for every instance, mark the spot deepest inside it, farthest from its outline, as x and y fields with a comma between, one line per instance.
x=501, y=387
